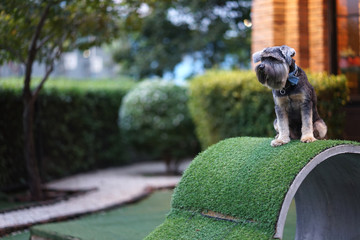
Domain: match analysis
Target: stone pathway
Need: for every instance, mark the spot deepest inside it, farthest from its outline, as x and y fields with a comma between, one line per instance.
x=112, y=187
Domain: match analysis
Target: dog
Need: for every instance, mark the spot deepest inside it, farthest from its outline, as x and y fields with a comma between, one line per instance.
x=294, y=97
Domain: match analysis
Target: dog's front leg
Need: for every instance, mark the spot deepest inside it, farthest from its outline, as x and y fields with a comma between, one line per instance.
x=307, y=130
x=283, y=127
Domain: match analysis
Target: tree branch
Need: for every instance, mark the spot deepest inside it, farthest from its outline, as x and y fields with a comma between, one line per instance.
x=36, y=91
x=32, y=52
x=44, y=41
x=56, y=52
x=39, y=28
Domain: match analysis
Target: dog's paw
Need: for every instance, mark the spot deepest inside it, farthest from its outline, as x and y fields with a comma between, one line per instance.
x=307, y=139
x=279, y=141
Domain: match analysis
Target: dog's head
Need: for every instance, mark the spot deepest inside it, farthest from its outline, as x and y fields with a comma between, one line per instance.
x=274, y=66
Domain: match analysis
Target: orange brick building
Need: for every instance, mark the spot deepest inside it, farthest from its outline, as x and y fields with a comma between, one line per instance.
x=324, y=33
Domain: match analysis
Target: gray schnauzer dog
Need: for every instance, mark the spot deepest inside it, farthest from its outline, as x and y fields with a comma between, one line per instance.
x=295, y=99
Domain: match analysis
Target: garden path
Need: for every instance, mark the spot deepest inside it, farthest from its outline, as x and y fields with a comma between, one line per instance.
x=112, y=187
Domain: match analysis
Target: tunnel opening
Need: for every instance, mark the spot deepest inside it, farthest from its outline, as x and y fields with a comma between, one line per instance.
x=328, y=200
x=327, y=197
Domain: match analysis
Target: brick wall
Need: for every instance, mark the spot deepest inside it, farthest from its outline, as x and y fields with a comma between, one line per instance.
x=279, y=22
x=300, y=24
x=263, y=24
x=292, y=33
x=318, y=35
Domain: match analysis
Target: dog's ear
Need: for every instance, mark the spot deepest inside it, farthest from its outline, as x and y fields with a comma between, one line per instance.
x=257, y=56
x=288, y=53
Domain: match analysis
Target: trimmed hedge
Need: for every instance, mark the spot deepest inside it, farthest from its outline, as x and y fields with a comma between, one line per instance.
x=226, y=104
x=155, y=120
x=76, y=126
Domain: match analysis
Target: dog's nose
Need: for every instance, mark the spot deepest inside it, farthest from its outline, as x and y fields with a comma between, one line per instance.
x=261, y=66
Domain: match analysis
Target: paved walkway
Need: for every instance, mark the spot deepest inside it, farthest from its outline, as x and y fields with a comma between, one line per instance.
x=113, y=187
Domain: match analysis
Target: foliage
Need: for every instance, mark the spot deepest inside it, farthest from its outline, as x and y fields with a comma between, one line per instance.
x=68, y=25
x=155, y=48
x=153, y=42
x=243, y=179
x=80, y=131
x=233, y=103
x=333, y=94
x=41, y=31
x=155, y=119
x=230, y=103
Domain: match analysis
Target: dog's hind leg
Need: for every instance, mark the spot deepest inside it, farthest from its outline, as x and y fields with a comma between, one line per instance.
x=320, y=129
x=307, y=126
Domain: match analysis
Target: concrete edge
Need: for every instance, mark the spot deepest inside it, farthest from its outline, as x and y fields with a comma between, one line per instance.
x=300, y=177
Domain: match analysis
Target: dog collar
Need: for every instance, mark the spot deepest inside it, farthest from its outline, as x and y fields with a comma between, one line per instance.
x=292, y=78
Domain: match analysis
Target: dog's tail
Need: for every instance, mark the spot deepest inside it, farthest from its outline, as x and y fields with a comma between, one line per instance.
x=320, y=129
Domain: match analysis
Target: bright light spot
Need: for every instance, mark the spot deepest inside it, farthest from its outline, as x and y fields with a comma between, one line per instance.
x=247, y=23
x=86, y=53
x=144, y=10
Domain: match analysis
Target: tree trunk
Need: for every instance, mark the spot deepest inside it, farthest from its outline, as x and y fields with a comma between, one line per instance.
x=29, y=147
x=29, y=99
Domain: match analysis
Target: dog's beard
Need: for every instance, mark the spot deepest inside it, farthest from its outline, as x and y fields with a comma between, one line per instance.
x=274, y=75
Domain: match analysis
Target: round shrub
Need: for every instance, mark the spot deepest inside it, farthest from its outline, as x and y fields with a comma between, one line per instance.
x=154, y=119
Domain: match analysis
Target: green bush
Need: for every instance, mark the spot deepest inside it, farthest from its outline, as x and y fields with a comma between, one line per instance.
x=226, y=104
x=333, y=94
x=76, y=127
x=155, y=120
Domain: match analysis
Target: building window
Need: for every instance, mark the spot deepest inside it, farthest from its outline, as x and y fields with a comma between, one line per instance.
x=348, y=43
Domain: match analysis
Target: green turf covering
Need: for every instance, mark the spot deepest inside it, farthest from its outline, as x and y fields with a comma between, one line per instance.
x=131, y=222
x=244, y=178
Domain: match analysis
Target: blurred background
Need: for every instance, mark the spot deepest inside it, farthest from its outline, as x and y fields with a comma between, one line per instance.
x=86, y=85
x=98, y=54
x=166, y=39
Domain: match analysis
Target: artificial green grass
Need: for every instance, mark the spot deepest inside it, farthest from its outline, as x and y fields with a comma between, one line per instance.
x=132, y=222
x=244, y=178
